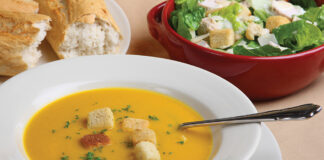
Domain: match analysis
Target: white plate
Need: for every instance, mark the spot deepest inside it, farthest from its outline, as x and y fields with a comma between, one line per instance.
x=268, y=148
x=210, y=95
x=122, y=22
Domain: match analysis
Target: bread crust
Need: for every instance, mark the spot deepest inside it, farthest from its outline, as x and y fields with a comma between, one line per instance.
x=19, y=6
x=16, y=33
x=71, y=11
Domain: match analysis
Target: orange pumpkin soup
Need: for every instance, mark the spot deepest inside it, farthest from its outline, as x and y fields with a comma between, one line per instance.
x=54, y=133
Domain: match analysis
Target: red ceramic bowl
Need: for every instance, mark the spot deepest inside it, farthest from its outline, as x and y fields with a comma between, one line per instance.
x=260, y=78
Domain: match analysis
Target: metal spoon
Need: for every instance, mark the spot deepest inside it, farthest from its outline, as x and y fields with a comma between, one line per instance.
x=295, y=113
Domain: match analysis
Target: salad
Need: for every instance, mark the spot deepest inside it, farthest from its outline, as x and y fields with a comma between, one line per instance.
x=250, y=27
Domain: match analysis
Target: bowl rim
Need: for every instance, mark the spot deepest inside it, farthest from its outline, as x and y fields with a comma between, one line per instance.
x=165, y=22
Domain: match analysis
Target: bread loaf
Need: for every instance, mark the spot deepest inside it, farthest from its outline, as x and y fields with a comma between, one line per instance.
x=20, y=35
x=81, y=27
x=24, y=6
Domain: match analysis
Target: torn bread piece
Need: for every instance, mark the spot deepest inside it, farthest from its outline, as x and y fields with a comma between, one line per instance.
x=146, y=151
x=81, y=27
x=132, y=124
x=20, y=35
x=101, y=118
x=24, y=6
x=143, y=135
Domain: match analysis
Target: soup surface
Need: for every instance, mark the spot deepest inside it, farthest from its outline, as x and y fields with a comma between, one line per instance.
x=54, y=133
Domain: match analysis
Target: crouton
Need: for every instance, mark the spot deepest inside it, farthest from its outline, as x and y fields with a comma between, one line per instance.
x=222, y=38
x=101, y=118
x=255, y=30
x=144, y=135
x=132, y=124
x=245, y=11
x=146, y=151
x=276, y=21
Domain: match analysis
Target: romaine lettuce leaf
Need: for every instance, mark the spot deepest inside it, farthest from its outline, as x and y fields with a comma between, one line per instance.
x=264, y=51
x=186, y=17
x=315, y=15
x=306, y=4
x=230, y=13
x=263, y=15
x=298, y=35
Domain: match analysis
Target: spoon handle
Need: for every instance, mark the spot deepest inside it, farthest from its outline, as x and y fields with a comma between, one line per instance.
x=295, y=113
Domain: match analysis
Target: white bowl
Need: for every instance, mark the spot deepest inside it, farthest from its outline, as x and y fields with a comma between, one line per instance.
x=208, y=94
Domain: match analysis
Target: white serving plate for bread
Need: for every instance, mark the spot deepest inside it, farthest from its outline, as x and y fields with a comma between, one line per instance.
x=213, y=97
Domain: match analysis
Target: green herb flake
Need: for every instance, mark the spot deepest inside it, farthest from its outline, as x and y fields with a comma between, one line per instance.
x=53, y=131
x=168, y=133
x=103, y=131
x=126, y=108
x=78, y=133
x=76, y=110
x=65, y=158
x=180, y=142
x=153, y=118
x=94, y=132
x=76, y=117
x=169, y=125
x=91, y=156
x=67, y=124
x=170, y=153
x=68, y=137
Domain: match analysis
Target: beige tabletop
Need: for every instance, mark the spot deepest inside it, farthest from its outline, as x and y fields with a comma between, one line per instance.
x=299, y=140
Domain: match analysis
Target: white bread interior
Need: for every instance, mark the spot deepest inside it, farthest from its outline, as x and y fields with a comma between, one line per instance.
x=83, y=39
x=31, y=54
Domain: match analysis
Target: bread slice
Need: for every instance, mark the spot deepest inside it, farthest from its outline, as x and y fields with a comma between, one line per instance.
x=20, y=35
x=81, y=27
x=101, y=118
x=25, y=6
x=132, y=124
x=144, y=135
x=146, y=151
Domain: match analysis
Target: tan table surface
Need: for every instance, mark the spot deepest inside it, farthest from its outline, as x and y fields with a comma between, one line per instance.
x=301, y=140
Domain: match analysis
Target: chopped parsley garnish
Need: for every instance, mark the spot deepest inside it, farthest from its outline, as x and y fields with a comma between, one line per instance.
x=65, y=158
x=170, y=125
x=180, y=142
x=126, y=117
x=76, y=109
x=126, y=108
x=67, y=124
x=76, y=117
x=98, y=149
x=53, y=131
x=167, y=132
x=170, y=153
x=103, y=131
x=153, y=118
x=91, y=156
x=78, y=133
x=95, y=103
x=94, y=132
x=68, y=137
